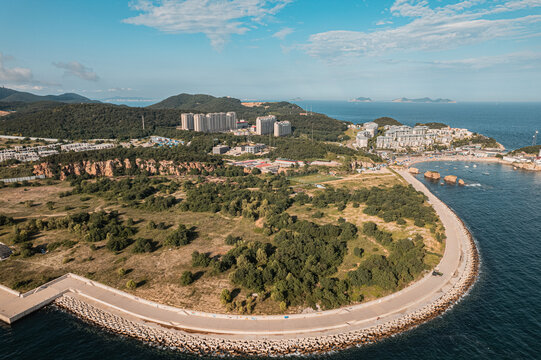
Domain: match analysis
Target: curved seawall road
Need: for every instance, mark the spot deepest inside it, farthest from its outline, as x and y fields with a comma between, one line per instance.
x=300, y=333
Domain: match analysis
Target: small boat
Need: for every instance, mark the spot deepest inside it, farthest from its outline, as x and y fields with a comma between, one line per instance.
x=474, y=165
x=466, y=166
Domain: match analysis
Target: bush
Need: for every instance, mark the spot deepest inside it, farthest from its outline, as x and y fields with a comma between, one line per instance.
x=200, y=259
x=232, y=240
x=419, y=222
x=142, y=246
x=181, y=236
x=117, y=243
x=186, y=278
x=121, y=272
x=130, y=284
x=318, y=215
x=225, y=296
x=401, y=221
x=358, y=252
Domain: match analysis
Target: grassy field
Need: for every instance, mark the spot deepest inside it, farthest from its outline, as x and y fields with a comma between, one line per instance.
x=158, y=273
x=312, y=179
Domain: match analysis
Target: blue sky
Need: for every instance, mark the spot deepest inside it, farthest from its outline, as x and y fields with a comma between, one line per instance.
x=473, y=50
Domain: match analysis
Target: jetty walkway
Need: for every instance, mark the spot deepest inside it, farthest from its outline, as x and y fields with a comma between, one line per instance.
x=428, y=293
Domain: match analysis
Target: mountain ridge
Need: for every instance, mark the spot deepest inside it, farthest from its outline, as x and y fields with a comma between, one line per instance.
x=10, y=95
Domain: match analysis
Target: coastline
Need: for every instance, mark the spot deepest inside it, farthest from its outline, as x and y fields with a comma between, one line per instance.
x=522, y=166
x=198, y=342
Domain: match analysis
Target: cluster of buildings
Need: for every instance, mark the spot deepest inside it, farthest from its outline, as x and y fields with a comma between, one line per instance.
x=34, y=153
x=222, y=122
x=213, y=122
x=524, y=158
x=77, y=147
x=163, y=141
x=370, y=129
x=268, y=166
x=265, y=125
x=239, y=150
x=402, y=137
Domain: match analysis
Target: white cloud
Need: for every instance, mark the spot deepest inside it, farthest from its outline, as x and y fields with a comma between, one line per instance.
x=283, y=33
x=15, y=75
x=524, y=60
x=217, y=19
x=439, y=28
x=77, y=69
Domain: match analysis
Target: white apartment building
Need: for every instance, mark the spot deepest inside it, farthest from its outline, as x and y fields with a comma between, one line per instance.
x=265, y=124
x=362, y=139
x=403, y=136
x=213, y=122
x=282, y=128
x=187, y=121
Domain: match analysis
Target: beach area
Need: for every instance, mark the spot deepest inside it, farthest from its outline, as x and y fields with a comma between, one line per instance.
x=320, y=332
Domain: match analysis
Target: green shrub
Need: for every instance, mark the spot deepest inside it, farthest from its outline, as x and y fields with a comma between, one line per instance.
x=117, y=243
x=130, y=284
x=142, y=246
x=186, y=278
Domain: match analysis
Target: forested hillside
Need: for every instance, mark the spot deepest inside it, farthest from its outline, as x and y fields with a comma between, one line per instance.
x=87, y=121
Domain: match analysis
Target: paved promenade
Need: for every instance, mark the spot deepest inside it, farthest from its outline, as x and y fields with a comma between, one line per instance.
x=409, y=300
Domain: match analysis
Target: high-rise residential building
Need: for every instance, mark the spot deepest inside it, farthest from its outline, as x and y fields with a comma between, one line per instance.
x=213, y=122
x=200, y=123
x=265, y=124
x=282, y=128
x=231, y=118
x=186, y=121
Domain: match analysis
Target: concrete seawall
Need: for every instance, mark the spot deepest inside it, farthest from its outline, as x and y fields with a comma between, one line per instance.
x=324, y=331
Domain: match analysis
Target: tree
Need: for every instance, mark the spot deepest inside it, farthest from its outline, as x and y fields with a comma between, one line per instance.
x=116, y=243
x=181, y=236
x=142, y=246
x=130, y=284
x=186, y=278
x=225, y=296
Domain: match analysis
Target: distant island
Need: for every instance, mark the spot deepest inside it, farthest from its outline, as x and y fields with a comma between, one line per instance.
x=425, y=100
x=361, y=99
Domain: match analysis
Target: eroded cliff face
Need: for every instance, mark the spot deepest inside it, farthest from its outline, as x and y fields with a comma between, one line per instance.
x=107, y=168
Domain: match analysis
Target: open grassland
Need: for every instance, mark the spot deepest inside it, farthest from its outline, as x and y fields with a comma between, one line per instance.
x=312, y=179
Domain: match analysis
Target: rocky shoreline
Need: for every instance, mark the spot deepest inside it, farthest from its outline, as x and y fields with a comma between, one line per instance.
x=224, y=345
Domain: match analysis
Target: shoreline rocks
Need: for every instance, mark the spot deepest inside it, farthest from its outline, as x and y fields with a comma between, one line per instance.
x=413, y=170
x=450, y=179
x=432, y=175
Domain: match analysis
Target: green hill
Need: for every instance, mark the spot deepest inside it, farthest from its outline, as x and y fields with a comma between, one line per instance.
x=433, y=125
x=528, y=150
x=87, y=121
x=208, y=103
x=383, y=121
x=9, y=95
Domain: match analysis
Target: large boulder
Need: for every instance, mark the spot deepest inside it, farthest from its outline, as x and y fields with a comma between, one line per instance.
x=461, y=182
x=413, y=170
x=432, y=175
x=451, y=179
